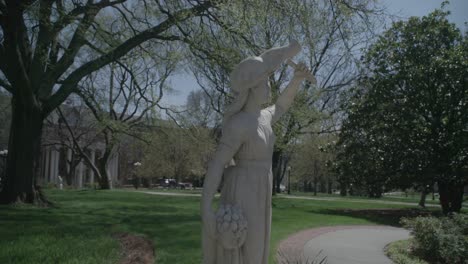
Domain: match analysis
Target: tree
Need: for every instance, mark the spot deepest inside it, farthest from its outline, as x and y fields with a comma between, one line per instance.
x=76, y=130
x=331, y=33
x=177, y=153
x=123, y=102
x=182, y=148
x=48, y=47
x=407, y=121
x=5, y=119
x=311, y=162
x=199, y=111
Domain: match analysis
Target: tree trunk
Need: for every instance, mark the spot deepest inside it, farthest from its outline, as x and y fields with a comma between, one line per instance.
x=315, y=186
x=450, y=196
x=343, y=189
x=273, y=191
x=20, y=183
x=104, y=176
x=276, y=170
x=422, y=200
x=282, y=172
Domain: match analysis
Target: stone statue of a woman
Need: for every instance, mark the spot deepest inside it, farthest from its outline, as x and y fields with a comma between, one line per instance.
x=239, y=232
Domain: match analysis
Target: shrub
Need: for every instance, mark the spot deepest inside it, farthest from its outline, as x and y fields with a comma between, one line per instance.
x=286, y=259
x=440, y=240
x=398, y=252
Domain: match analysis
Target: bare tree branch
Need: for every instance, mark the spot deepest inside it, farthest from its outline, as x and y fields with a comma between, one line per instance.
x=66, y=19
x=39, y=60
x=76, y=42
x=77, y=146
x=70, y=82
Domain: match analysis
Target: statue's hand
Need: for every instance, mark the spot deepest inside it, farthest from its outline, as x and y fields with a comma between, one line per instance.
x=301, y=71
x=209, y=224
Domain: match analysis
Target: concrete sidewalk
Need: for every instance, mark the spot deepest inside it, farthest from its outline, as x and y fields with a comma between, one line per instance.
x=360, y=245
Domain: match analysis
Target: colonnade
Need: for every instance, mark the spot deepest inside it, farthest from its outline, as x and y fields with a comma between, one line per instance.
x=50, y=167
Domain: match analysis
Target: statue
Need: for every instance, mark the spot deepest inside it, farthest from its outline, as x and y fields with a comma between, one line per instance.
x=239, y=231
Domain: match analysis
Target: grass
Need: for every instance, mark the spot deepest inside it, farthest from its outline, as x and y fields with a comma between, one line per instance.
x=79, y=228
x=412, y=198
x=399, y=253
x=169, y=190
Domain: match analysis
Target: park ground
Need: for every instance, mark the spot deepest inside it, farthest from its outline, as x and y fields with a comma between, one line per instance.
x=84, y=226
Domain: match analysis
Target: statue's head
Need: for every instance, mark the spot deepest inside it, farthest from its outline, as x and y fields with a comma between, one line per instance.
x=250, y=79
x=251, y=75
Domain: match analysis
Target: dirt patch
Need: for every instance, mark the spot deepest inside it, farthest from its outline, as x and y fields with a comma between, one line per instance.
x=135, y=249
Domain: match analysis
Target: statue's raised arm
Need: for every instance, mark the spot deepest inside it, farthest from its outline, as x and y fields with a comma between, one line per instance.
x=239, y=231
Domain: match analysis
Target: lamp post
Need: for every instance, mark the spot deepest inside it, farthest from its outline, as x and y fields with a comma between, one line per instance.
x=289, y=179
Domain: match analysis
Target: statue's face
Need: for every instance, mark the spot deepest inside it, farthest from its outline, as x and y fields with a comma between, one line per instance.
x=262, y=92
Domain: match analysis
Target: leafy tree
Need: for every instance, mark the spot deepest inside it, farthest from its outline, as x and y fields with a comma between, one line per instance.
x=48, y=47
x=177, y=153
x=324, y=28
x=123, y=102
x=407, y=121
x=310, y=163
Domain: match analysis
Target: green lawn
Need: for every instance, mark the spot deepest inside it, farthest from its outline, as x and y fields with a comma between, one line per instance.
x=411, y=198
x=79, y=228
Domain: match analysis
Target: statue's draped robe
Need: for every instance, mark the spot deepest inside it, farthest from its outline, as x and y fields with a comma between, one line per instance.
x=248, y=183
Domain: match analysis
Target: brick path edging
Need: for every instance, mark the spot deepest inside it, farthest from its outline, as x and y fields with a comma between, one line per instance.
x=291, y=249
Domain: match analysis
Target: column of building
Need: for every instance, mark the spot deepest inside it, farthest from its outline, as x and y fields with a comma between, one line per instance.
x=91, y=173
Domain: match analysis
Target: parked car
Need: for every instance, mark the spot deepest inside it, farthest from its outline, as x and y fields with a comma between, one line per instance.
x=185, y=185
x=282, y=188
x=168, y=183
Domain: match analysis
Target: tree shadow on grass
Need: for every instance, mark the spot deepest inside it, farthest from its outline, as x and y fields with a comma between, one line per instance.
x=389, y=217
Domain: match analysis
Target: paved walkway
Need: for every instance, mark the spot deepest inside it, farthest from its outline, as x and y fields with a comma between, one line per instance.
x=331, y=199
x=341, y=244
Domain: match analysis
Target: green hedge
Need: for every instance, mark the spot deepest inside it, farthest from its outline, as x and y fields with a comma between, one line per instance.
x=440, y=240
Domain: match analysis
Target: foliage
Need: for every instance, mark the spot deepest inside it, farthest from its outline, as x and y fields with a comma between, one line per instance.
x=440, y=240
x=324, y=29
x=406, y=121
x=285, y=259
x=399, y=253
x=178, y=153
x=47, y=48
x=123, y=97
x=310, y=162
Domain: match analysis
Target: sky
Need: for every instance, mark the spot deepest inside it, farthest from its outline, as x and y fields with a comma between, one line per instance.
x=183, y=83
